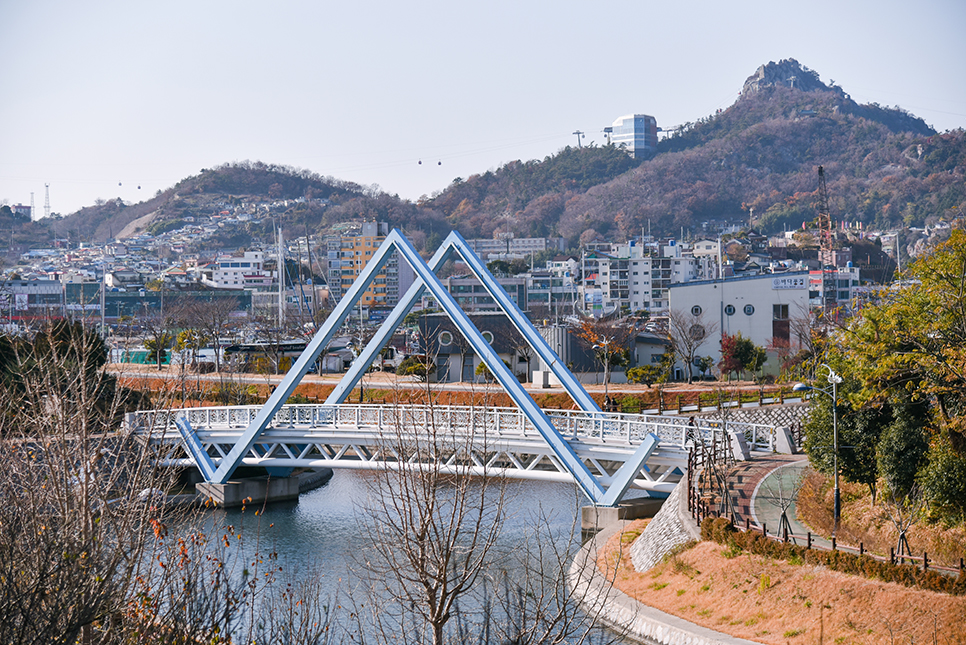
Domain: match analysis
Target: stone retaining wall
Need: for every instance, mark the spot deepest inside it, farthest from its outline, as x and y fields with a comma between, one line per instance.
x=775, y=415
x=666, y=531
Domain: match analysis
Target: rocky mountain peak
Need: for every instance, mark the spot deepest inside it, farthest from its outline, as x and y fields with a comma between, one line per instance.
x=789, y=73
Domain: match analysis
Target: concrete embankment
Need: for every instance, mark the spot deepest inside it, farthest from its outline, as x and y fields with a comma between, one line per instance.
x=671, y=527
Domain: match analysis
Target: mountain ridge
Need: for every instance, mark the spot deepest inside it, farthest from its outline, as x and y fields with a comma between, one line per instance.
x=756, y=159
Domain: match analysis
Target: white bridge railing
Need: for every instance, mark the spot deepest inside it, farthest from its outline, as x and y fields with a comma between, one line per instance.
x=597, y=427
x=377, y=436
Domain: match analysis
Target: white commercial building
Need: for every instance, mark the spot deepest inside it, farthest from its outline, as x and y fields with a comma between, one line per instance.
x=760, y=307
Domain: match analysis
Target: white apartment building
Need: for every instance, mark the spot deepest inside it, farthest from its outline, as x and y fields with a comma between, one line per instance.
x=514, y=247
x=632, y=278
x=706, y=248
x=234, y=272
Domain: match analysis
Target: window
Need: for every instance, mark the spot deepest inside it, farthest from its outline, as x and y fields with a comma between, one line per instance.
x=488, y=337
x=749, y=309
x=696, y=310
x=730, y=310
x=780, y=312
x=656, y=358
x=446, y=338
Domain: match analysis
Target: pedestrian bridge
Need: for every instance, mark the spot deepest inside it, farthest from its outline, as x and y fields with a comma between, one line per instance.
x=604, y=454
x=475, y=441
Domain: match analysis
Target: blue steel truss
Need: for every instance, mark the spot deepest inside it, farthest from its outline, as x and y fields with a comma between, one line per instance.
x=426, y=279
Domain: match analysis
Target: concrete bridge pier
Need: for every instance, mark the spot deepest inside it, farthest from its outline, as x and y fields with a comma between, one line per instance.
x=594, y=518
x=255, y=491
x=251, y=492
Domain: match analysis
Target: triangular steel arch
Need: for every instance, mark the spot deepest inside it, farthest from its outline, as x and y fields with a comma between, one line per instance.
x=454, y=242
x=426, y=279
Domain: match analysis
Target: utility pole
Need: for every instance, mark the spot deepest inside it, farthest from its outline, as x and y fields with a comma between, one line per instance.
x=280, y=265
x=825, y=248
x=579, y=135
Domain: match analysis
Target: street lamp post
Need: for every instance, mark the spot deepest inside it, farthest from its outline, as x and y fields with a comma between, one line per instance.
x=834, y=379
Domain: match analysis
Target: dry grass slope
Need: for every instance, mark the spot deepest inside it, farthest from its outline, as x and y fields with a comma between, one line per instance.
x=778, y=602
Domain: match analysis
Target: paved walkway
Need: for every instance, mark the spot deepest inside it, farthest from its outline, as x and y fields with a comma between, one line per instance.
x=761, y=486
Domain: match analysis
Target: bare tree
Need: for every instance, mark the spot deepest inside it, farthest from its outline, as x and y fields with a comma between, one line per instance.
x=904, y=512
x=89, y=550
x=433, y=531
x=72, y=543
x=518, y=346
x=688, y=333
x=436, y=569
x=211, y=319
x=464, y=348
x=785, y=492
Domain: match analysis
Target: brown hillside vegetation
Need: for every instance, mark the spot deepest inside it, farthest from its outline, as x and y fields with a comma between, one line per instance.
x=771, y=601
x=868, y=524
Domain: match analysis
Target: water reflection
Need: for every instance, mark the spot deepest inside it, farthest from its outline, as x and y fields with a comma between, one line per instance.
x=324, y=531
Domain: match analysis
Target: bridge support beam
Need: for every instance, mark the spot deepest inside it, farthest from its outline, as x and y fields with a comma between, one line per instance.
x=251, y=492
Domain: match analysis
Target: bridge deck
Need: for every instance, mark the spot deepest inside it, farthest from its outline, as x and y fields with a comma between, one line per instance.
x=466, y=440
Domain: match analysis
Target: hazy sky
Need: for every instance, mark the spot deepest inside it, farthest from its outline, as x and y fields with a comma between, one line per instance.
x=100, y=93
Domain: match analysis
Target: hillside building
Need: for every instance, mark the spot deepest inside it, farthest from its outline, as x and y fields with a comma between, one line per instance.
x=515, y=247
x=237, y=272
x=637, y=133
x=348, y=254
x=634, y=278
x=834, y=287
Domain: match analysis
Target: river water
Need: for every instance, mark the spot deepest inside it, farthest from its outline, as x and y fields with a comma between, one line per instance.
x=323, y=532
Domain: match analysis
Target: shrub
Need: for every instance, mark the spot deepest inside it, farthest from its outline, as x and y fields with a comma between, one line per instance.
x=417, y=366
x=720, y=530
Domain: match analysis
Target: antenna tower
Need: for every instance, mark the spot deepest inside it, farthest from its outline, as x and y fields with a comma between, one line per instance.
x=33, y=212
x=825, y=247
x=46, y=200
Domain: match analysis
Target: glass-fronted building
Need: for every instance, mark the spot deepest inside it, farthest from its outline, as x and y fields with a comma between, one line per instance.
x=637, y=133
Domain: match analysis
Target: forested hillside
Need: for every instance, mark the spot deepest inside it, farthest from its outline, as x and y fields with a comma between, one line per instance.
x=758, y=158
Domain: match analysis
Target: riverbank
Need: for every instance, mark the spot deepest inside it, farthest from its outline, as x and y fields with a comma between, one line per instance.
x=172, y=387
x=869, y=524
x=779, y=602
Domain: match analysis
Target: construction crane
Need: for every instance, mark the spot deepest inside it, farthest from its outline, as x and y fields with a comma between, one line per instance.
x=825, y=256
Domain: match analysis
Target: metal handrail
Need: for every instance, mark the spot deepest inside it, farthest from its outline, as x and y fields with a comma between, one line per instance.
x=606, y=427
